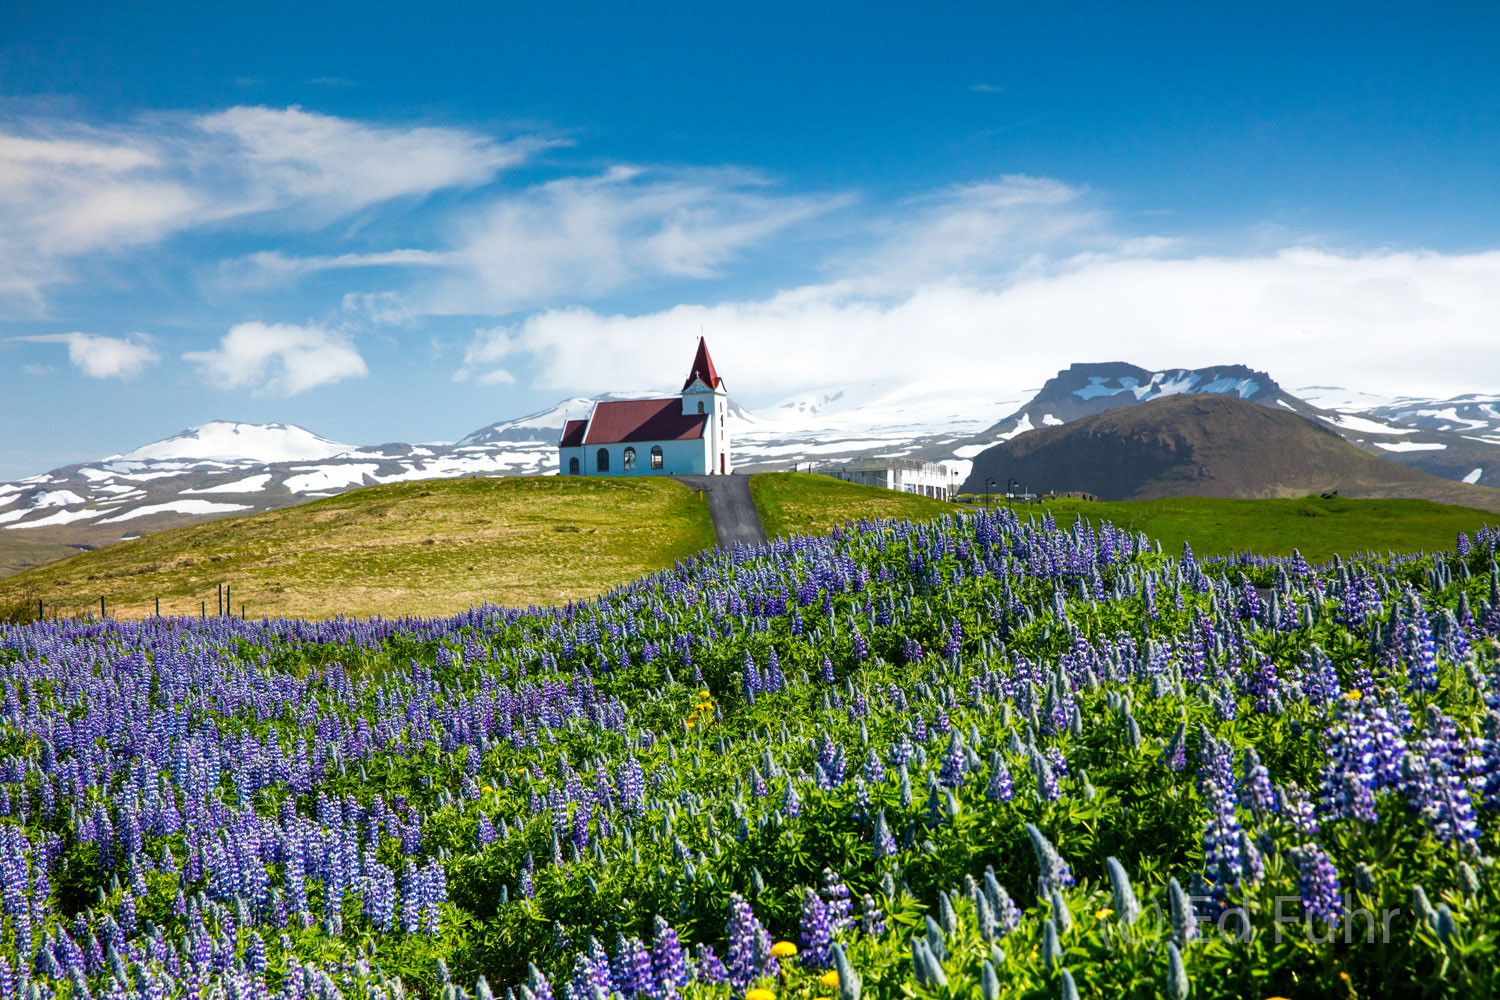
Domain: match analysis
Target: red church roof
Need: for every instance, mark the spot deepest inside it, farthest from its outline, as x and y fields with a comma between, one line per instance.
x=620, y=421
x=572, y=435
x=703, y=369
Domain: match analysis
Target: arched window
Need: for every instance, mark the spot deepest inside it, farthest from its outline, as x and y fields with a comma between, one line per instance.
x=573, y=466
x=601, y=460
x=629, y=462
x=700, y=406
x=656, y=456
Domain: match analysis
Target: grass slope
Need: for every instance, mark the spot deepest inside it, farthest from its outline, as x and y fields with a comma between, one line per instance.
x=797, y=503
x=1316, y=526
x=431, y=547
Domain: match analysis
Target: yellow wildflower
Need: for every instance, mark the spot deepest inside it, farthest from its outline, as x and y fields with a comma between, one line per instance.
x=760, y=994
x=1101, y=914
x=829, y=980
x=1352, y=695
x=704, y=693
x=488, y=788
x=784, y=949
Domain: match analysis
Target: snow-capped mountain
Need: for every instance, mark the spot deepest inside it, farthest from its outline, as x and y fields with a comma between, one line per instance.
x=1456, y=439
x=224, y=468
x=228, y=441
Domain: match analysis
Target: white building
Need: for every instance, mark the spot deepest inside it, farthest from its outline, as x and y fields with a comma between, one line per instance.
x=929, y=479
x=675, y=435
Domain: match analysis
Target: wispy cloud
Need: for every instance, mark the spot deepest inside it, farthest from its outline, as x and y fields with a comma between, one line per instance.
x=68, y=189
x=102, y=357
x=578, y=238
x=279, y=359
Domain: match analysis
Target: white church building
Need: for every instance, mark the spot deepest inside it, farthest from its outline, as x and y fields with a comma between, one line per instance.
x=678, y=435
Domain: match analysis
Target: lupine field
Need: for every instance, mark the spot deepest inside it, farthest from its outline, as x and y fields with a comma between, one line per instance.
x=970, y=758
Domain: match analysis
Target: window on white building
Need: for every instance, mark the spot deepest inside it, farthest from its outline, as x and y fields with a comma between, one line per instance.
x=629, y=462
x=656, y=456
x=601, y=460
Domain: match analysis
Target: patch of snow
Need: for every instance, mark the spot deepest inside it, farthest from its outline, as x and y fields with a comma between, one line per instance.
x=1022, y=426
x=95, y=475
x=141, y=477
x=115, y=488
x=1473, y=477
x=229, y=440
x=11, y=498
x=326, y=477
x=1411, y=446
x=250, y=484
x=13, y=515
x=969, y=450
x=129, y=538
x=61, y=517
x=176, y=507
x=57, y=498
x=1332, y=397
x=1362, y=425
x=1048, y=420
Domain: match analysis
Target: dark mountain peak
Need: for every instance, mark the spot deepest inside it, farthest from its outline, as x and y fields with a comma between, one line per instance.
x=1199, y=444
x=1093, y=387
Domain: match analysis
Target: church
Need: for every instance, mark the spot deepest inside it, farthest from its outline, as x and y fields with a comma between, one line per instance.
x=678, y=435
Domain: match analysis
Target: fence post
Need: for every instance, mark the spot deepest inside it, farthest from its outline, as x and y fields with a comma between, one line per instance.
x=158, y=607
x=39, y=615
x=101, y=607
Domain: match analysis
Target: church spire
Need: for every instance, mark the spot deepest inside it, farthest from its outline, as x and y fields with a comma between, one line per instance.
x=703, y=369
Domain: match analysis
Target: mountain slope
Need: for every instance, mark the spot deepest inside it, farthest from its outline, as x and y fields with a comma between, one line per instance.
x=1456, y=439
x=1206, y=445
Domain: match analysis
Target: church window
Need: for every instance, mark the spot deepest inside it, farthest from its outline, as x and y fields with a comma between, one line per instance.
x=573, y=466
x=629, y=462
x=700, y=406
x=601, y=461
x=656, y=456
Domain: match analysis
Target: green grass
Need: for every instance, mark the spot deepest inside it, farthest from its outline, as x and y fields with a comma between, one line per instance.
x=1318, y=527
x=797, y=503
x=432, y=547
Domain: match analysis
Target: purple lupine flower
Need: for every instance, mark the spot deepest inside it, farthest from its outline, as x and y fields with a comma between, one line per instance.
x=667, y=960
x=999, y=788
x=816, y=931
x=952, y=773
x=708, y=968
x=1258, y=792
x=1318, y=881
x=1053, y=871
x=749, y=945
x=885, y=843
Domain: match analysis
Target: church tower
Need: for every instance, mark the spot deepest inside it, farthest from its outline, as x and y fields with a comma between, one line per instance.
x=704, y=392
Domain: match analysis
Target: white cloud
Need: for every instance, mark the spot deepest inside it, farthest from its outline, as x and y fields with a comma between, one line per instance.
x=581, y=237
x=497, y=376
x=67, y=190
x=295, y=159
x=1412, y=322
x=102, y=357
x=279, y=358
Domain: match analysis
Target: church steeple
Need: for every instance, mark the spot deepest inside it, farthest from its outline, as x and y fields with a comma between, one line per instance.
x=703, y=369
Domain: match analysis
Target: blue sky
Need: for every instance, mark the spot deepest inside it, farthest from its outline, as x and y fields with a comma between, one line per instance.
x=387, y=223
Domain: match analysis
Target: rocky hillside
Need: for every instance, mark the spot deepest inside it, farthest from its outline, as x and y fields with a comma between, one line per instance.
x=1206, y=445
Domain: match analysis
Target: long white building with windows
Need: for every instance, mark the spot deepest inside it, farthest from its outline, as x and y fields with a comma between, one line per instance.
x=679, y=435
x=929, y=479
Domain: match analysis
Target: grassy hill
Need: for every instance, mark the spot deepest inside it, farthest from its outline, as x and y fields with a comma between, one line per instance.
x=431, y=547
x=1317, y=526
x=796, y=503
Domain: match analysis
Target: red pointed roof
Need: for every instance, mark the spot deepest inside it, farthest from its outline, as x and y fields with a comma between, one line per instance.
x=572, y=435
x=703, y=369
